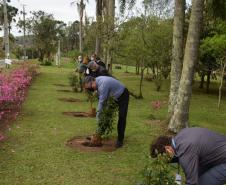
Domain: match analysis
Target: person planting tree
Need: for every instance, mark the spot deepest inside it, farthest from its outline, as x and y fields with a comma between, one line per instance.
x=200, y=152
x=96, y=70
x=109, y=87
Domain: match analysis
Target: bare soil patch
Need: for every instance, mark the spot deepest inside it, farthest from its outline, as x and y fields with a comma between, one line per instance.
x=82, y=144
x=70, y=100
x=61, y=85
x=64, y=90
x=80, y=114
x=153, y=122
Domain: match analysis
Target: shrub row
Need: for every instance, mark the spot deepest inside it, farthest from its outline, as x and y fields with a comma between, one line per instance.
x=13, y=88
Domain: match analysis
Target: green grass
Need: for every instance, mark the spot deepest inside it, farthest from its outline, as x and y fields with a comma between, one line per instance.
x=35, y=151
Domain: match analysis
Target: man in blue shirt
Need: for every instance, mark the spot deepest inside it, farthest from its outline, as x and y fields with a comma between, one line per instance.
x=110, y=87
x=200, y=152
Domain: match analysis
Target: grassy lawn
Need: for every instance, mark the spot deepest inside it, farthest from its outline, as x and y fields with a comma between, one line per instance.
x=35, y=151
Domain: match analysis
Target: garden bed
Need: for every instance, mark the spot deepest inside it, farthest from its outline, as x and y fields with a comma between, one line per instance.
x=82, y=144
x=61, y=85
x=64, y=90
x=80, y=114
x=70, y=100
x=14, y=85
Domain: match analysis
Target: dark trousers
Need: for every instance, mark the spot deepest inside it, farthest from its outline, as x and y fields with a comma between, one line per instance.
x=123, y=102
x=214, y=176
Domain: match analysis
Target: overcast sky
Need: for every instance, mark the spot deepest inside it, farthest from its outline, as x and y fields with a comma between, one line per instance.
x=61, y=9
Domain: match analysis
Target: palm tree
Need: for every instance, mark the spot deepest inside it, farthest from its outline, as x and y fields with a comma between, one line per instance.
x=81, y=7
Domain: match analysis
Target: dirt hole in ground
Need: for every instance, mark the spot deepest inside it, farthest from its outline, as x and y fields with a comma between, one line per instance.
x=64, y=90
x=69, y=99
x=61, y=85
x=80, y=114
x=81, y=143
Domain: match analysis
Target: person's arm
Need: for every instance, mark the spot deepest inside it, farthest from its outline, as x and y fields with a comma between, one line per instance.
x=190, y=164
x=103, y=91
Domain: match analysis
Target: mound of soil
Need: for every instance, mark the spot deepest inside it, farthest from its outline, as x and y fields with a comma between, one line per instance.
x=64, y=90
x=60, y=85
x=80, y=114
x=69, y=100
x=83, y=144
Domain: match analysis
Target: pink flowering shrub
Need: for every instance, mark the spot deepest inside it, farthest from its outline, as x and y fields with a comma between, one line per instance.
x=13, y=88
x=156, y=104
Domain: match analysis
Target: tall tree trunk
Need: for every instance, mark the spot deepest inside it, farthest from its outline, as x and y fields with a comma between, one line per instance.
x=126, y=66
x=141, y=82
x=181, y=111
x=223, y=67
x=99, y=18
x=177, y=53
x=153, y=70
x=81, y=7
x=202, y=81
x=208, y=81
x=105, y=28
x=137, y=68
x=6, y=33
x=111, y=21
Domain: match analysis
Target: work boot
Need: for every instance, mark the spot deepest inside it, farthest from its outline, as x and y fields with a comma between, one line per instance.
x=118, y=144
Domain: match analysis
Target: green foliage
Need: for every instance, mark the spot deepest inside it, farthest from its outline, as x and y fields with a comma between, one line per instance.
x=50, y=130
x=107, y=117
x=216, y=8
x=2, y=54
x=74, y=81
x=46, y=31
x=151, y=117
x=158, y=83
x=145, y=41
x=11, y=14
x=72, y=54
x=157, y=172
x=92, y=96
x=214, y=47
x=124, y=3
x=46, y=62
x=72, y=40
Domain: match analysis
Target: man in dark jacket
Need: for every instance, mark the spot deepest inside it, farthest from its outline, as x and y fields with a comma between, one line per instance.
x=200, y=152
x=97, y=59
x=96, y=70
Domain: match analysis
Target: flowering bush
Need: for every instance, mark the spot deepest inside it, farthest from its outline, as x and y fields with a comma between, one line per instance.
x=13, y=87
x=156, y=104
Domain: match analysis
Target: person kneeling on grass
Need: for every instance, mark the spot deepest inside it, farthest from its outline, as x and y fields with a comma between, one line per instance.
x=109, y=87
x=200, y=152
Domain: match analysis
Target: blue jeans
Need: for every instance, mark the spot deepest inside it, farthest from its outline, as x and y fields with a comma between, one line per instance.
x=214, y=176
